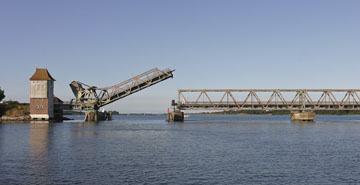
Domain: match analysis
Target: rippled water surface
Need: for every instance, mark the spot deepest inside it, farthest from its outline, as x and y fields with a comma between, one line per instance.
x=201, y=150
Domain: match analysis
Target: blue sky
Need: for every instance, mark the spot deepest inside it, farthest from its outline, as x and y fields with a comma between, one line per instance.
x=211, y=44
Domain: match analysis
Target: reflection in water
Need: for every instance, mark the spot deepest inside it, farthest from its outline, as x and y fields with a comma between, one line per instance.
x=135, y=149
x=39, y=148
x=303, y=124
x=2, y=133
x=87, y=128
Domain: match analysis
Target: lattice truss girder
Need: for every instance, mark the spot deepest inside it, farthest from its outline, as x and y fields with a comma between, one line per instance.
x=254, y=99
x=92, y=97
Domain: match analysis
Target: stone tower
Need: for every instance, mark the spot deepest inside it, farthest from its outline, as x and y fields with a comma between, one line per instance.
x=41, y=95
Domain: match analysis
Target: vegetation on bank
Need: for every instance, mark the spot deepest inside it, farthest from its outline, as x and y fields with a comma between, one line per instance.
x=2, y=95
x=282, y=112
x=14, y=109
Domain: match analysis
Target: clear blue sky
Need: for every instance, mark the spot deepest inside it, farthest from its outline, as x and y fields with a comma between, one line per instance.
x=211, y=44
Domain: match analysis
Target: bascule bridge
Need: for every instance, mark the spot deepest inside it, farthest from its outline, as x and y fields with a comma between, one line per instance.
x=91, y=98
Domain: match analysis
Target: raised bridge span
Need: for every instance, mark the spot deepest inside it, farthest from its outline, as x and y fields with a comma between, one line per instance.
x=91, y=98
x=304, y=101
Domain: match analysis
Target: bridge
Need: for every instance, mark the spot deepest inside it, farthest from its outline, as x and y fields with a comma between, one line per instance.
x=300, y=101
x=91, y=98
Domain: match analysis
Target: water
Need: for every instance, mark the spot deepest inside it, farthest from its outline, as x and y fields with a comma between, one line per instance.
x=202, y=150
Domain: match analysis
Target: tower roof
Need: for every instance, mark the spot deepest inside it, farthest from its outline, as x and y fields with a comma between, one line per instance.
x=41, y=74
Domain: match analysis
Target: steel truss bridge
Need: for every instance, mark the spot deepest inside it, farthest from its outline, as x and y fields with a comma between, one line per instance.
x=268, y=99
x=92, y=98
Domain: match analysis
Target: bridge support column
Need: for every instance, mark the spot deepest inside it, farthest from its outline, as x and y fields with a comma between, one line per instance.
x=92, y=116
x=303, y=116
x=109, y=116
x=175, y=116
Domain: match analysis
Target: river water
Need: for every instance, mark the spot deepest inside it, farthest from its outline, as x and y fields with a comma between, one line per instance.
x=202, y=150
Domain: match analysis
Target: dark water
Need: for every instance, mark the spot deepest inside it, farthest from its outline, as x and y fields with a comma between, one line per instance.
x=202, y=150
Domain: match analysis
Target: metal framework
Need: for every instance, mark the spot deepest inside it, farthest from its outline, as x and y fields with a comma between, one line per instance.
x=268, y=99
x=92, y=98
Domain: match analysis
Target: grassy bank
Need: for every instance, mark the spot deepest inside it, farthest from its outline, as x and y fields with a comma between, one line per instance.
x=14, y=108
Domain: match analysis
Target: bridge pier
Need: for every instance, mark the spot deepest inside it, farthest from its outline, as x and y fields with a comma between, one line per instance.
x=109, y=115
x=175, y=116
x=303, y=116
x=94, y=116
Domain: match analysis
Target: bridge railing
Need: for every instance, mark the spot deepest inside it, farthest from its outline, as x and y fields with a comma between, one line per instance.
x=110, y=94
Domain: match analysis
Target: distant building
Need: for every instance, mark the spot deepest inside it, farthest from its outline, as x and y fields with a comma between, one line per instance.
x=41, y=95
x=58, y=109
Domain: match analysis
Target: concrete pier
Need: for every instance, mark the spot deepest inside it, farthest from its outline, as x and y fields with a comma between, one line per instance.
x=91, y=116
x=175, y=116
x=109, y=116
x=303, y=116
x=97, y=116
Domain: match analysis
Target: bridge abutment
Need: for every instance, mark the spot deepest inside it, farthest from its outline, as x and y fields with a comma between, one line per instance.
x=303, y=116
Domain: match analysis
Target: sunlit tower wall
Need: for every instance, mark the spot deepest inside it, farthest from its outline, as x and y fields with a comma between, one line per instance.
x=41, y=95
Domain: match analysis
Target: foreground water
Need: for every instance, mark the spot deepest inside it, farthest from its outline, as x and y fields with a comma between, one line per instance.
x=202, y=150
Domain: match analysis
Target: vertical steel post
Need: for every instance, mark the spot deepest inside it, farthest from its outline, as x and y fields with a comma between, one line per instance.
x=179, y=91
x=302, y=100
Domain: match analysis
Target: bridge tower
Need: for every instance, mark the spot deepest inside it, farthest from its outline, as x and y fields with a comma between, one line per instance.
x=41, y=95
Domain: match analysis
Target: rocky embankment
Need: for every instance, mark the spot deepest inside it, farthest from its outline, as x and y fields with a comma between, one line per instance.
x=15, y=118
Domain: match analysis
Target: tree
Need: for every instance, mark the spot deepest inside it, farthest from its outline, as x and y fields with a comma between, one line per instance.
x=2, y=95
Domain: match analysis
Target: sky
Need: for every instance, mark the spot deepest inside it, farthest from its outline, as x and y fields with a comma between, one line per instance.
x=230, y=44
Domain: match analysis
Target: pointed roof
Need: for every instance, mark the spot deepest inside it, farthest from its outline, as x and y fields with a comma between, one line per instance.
x=41, y=74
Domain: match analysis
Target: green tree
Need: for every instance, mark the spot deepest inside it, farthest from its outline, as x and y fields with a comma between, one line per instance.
x=2, y=95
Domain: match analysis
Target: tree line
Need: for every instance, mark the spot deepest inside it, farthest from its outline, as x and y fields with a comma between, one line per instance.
x=2, y=94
